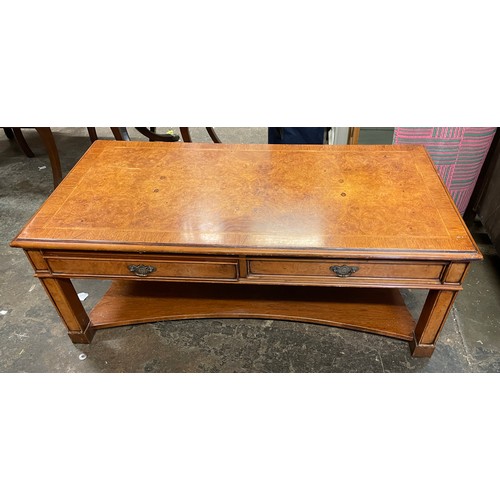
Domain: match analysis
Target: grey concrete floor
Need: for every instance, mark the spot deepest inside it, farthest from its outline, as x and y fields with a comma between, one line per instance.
x=33, y=339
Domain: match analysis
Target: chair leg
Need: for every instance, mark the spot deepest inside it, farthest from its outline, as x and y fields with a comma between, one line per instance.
x=50, y=145
x=153, y=136
x=186, y=136
x=22, y=142
x=120, y=133
x=9, y=133
x=213, y=135
x=92, y=134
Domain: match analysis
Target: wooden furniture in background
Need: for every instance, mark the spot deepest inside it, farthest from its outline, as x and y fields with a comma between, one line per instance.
x=353, y=137
x=49, y=143
x=304, y=233
x=121, y=134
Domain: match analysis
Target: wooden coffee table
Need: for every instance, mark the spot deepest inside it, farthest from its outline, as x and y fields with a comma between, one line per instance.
x=322, y=234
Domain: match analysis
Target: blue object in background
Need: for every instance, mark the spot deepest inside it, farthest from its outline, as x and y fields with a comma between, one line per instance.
x=296, y=135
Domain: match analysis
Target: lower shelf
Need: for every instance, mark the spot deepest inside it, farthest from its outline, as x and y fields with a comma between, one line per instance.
x=380, y=311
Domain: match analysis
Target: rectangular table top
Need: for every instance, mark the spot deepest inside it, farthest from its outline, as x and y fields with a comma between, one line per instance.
x=332, y=201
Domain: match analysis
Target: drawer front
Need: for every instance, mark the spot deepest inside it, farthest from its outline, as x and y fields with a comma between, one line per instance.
x=346, y=269
x=142, y=267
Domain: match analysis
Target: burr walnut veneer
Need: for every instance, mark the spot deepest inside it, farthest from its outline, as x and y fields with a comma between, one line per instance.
x=324, y=234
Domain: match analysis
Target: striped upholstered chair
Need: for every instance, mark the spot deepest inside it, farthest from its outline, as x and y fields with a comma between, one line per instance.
x=457, y=152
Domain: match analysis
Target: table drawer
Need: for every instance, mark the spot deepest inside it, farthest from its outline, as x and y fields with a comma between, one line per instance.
x=346, y=269
x=143, y=266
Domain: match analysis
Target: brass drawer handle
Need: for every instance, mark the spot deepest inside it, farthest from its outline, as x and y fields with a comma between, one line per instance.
x=344, y=271
x=142, y=270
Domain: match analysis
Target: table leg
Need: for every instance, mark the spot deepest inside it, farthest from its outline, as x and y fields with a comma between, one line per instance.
x=68, y=305
x=431, y=321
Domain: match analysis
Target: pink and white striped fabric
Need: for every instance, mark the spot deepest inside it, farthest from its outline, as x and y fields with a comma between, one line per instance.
x=457, y=152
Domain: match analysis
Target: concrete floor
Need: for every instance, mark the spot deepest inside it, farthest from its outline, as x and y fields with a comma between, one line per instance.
x=33, y=339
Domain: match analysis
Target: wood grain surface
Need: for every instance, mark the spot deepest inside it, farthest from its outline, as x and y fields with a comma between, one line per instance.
x=329, y=201
x=131, y=302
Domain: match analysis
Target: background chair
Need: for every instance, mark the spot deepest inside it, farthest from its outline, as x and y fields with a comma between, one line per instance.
x=45, y=133
x=49, y=143
x=457, y=152
x=121, y=134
